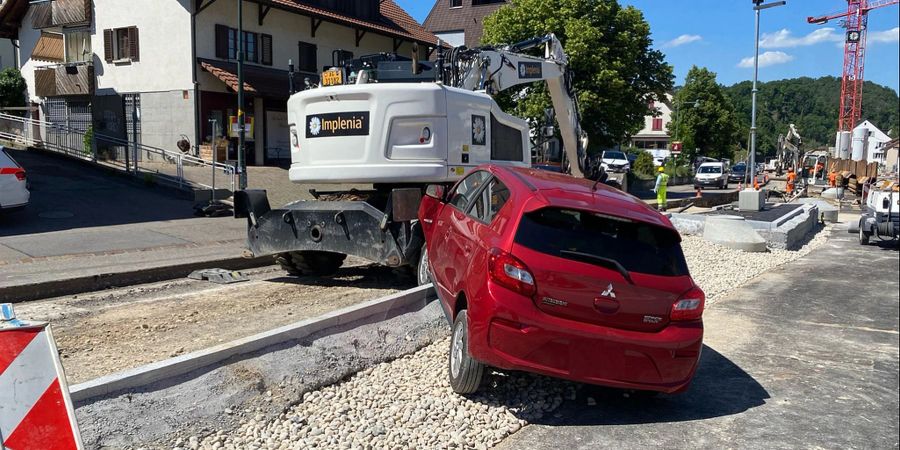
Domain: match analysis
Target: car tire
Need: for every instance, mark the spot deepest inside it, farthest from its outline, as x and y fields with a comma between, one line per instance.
x=423, y=275
x=863, y=236
x=465, y=372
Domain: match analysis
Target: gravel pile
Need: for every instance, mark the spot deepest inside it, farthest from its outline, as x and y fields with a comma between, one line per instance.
x=408, y=403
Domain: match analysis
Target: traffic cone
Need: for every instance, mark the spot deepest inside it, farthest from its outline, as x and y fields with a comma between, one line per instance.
x=699, y=192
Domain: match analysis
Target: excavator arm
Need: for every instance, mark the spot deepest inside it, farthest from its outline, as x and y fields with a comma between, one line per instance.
x=496, y=69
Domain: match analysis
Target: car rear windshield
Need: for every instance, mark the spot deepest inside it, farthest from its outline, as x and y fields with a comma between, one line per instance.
x=578, y=235
x=710, y=169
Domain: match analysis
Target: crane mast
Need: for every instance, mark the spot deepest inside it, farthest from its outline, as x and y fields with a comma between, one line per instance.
x=855, y=21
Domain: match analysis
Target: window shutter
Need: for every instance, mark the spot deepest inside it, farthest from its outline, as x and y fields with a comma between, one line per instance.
x=308, y=58
x=265, y=46
x=108, y=45
x=134, y=50
x=221, y=41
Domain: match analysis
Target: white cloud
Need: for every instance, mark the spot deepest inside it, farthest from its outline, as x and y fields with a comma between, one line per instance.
x=785, y=39
x=888, y=36
x=767, y=59
x=683, y=39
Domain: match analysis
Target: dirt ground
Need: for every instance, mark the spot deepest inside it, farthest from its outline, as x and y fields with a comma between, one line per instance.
x=108, y=331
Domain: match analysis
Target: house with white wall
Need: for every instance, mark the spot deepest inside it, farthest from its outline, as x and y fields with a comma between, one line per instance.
x=157, y=71
x=654, y=135
x=875, y=142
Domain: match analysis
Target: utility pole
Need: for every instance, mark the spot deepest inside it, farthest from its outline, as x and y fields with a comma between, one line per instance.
x=242, y=160
x=758, y=6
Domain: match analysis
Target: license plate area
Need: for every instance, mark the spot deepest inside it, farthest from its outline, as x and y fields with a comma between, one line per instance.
x=332, y=78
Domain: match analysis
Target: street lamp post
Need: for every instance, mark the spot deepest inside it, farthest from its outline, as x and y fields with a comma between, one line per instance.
x=242, y=159
x=758, y=6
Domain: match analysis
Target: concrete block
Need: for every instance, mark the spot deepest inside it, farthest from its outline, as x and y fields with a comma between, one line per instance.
x=827, y=211
x=790, y=235
x=751, y=200
x=733, y=232
x=688, y=224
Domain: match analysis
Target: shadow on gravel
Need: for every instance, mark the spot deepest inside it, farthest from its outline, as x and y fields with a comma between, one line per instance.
x=371, y=276
x=720, y=388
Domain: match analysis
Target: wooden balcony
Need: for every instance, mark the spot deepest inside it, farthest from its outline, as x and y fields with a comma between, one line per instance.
x=61, y=12
x=64, y=80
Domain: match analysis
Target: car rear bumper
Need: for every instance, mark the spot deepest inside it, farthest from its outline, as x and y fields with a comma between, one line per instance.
x=507, y=331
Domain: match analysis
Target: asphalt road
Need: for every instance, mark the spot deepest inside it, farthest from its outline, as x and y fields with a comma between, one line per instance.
x=805, y=356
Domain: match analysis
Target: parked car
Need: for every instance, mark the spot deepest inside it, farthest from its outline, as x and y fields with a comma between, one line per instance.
x=13, y=184
x=546, y=273
x=738, y=173
x=615, y=161
x=711, y=174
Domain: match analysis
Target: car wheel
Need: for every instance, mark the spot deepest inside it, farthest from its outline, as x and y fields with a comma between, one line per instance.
x=863, y=236
x=423, y=276
x=465, y=372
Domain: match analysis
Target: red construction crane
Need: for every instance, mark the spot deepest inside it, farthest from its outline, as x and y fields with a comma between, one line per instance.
x=855, y=19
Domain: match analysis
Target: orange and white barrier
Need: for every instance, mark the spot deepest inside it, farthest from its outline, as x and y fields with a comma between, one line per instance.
x=36, y=412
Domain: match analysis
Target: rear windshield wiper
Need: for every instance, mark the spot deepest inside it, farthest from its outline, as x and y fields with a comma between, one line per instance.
x=598, y=260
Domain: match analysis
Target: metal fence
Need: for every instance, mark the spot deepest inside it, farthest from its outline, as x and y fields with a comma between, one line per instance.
x=72, y=136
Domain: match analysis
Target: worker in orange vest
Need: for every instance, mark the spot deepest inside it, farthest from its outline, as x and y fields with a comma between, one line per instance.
x=791, y=180
x=832, y=178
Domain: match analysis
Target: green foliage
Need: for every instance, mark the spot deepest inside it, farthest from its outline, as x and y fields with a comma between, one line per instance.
x=616, y=71
x=89, y=140
x=711, y=125
x=812, y=105
x=643, y=165
x=12, y=88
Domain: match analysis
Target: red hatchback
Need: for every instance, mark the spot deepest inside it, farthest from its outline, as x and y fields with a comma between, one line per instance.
x=556, y=275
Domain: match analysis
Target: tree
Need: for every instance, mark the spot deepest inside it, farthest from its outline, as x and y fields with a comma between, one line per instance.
x=711, y=125
x=12, y=88
x=616, y=73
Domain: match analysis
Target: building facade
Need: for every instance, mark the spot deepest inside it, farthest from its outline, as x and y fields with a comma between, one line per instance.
x=875, y=142
x=654, y=135
x=159, y=71
x=460, y=22
x=7, y=54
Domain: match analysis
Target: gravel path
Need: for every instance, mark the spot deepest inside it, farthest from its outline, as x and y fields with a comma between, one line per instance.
x=408, y=403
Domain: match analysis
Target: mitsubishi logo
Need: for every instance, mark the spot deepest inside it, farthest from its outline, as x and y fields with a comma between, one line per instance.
x=609, y=292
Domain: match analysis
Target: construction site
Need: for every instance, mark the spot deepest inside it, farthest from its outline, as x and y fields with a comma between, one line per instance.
x=386, y=256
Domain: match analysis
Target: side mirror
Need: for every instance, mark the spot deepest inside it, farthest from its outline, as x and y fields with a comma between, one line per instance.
x=436, y=191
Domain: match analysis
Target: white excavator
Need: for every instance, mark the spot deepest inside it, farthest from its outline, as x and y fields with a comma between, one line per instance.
x=400, y=124
x=788, y=151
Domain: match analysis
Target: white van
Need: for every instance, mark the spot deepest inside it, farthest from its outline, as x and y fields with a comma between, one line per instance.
x=711, y=174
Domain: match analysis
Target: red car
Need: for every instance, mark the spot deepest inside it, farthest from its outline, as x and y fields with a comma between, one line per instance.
x=560, y=276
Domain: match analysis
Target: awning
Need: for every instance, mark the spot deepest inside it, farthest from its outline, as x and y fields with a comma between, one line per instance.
x=49, y=47
x=258, y=81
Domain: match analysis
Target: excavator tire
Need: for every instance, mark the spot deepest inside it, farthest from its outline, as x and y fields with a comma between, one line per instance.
x=310, y=262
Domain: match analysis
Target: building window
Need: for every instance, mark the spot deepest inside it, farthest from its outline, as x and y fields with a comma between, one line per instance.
x=657, y=124
x=486, y=2
x=257, y=48
x=455, y=3
x=308, y=60
x=121, y=44
x=77, y=45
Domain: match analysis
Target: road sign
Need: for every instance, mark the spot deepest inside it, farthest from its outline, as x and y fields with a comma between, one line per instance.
x=36, y=411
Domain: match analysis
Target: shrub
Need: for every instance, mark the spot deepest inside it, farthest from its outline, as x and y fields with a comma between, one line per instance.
x=89, y=140
x=643, y=165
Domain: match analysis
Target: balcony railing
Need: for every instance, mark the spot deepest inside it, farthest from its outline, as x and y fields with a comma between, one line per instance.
x=64, y=79
x=55, y=13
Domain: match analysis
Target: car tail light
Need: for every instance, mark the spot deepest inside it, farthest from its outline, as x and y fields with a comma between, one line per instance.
x=689, y=306
x=508, y=271
x=18, y=172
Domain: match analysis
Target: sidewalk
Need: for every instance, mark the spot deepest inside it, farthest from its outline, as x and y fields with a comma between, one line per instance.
x=86, y=229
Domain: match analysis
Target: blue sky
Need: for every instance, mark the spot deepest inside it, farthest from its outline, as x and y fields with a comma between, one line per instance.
x=718, y=34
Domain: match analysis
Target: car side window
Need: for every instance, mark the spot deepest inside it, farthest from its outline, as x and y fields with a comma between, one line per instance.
x=491, y=200
x=461, y=196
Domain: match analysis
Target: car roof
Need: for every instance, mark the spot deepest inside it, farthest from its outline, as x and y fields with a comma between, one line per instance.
x=557, y=189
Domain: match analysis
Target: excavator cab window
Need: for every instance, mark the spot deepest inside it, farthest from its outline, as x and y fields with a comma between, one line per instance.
x=506, y=142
